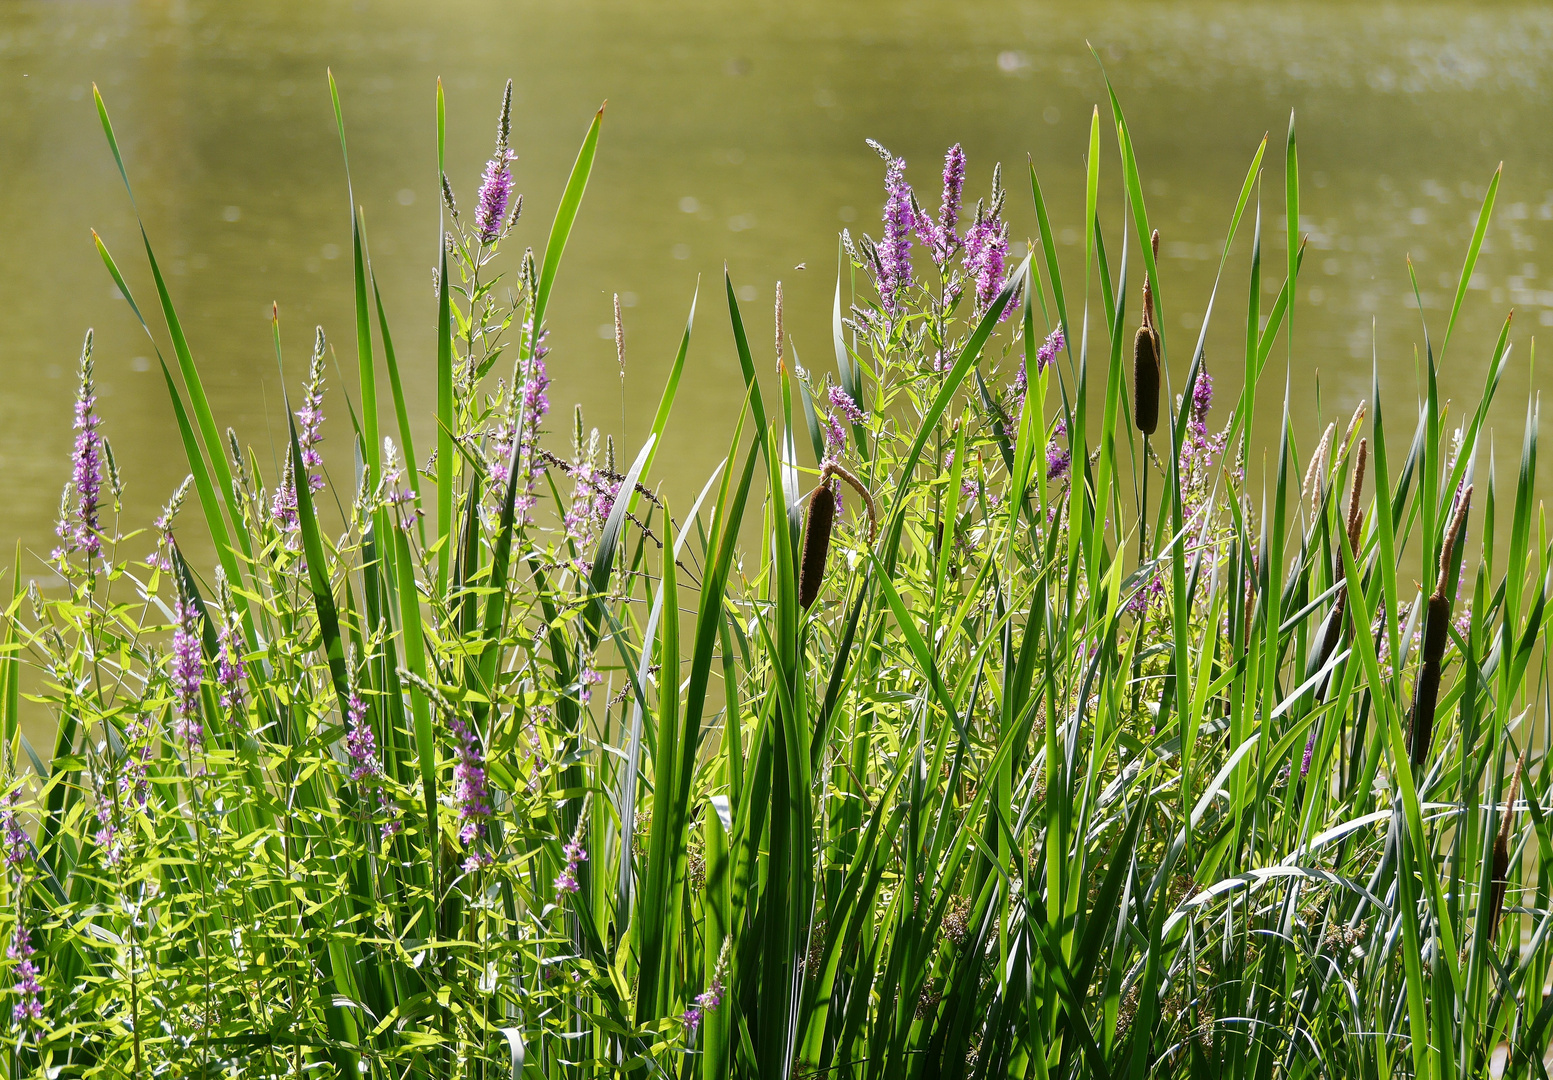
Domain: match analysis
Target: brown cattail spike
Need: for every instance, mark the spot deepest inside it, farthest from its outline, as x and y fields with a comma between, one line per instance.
x=1437, y=621
x=821, y=522
x=1500, y=877
x=1145, y=380
x=1355, y=519
x=816, y=544
x=1145, y=360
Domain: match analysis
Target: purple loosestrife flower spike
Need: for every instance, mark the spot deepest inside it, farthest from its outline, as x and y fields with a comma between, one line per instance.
x=576, y=854
x=27, y=988
x=188, y=671
x=986, y=252
x=895, y=248
x=12, y=835
x=360, y=744
x=229, y=664
x=1055, y=342
x=283, y=507
x=1058, y=458
x=945, y=238
x=835, y=436
x=1202, y=395
x=530, y=406
x=842, y=402
x=79, y=528
x=496, y=183
x=471, y=793
x=310, y=417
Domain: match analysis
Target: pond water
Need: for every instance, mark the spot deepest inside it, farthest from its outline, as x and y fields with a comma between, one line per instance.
x=733, y=132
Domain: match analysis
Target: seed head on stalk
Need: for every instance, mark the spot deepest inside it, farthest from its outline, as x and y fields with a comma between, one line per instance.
x=1145, y=361
x=1501, y=854
x=821, y=521
x=1437, y=621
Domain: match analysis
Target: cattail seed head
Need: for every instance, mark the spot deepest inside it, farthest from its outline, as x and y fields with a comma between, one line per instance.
x=1145, y=380
x=816, y=544
x=1452, y=538
x=1315, y=474
x=1425, y=696
x=1355, y=518
x=1500, y=877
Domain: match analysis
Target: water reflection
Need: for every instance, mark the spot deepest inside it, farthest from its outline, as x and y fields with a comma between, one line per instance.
x=732, y=133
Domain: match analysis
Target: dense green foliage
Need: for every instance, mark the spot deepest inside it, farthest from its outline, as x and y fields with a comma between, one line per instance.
x=439, y=771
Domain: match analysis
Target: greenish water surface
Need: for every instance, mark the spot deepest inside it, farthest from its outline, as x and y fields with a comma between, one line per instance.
x=734, y=132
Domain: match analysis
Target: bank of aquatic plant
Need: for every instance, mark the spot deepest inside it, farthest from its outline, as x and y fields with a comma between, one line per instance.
x=982, y=716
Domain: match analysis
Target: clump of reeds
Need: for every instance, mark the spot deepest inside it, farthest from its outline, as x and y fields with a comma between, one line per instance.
x=439, y=765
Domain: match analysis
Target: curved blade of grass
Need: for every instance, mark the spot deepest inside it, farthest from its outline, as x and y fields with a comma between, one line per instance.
x=660, y=419
x=1479, y=231
x=191, y=377
x=561, y=228
x=359, y=265
x=318, y=575
x=401, y=411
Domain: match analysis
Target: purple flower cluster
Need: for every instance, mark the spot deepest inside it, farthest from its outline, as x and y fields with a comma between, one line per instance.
x=842, y=402
x=1199, y=450
x=187, y=672
x=11, y=833
x=586, y=681
x=391, y=488
x=496, y=183
x=229, y=664
x=471, y=792
x=593, y=497
x=29, y=1004
x=709, y=999
x=835, y=436
x=164, y=527
x=79, y=525
x=940, y=235
x=566, y=880
x=1058, y=457
x=1140, y=603
x=366, y=769
x=310, y=417
x=283, y=507
x=986, y=254
x=522, y=438
x=1055, y=342
x=495, y=193
x=895, y=248
x=138, y=737
x=360, y=744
